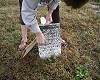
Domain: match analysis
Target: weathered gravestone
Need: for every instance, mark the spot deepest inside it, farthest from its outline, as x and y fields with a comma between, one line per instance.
x=52, y=46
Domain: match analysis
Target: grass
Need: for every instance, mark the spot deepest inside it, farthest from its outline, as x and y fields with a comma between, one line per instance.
x=81, y=72
x=80, y=29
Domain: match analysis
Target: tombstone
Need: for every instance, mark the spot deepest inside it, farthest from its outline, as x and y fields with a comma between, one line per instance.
x=52, y=46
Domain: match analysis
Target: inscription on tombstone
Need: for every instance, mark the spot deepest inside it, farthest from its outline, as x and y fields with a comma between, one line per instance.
x=52, y=46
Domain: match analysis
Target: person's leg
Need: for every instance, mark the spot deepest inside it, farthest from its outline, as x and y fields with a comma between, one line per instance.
x=56, y=19
x=23, y=30
x=55, y=15
x=24, y=37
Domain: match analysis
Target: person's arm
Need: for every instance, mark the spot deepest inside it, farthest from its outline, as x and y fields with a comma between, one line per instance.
x=51, y=7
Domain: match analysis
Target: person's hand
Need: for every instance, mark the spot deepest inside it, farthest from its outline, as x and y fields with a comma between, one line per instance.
x=48, y=18
x=40, y=38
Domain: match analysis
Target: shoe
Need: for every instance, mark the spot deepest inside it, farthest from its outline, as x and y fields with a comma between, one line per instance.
x=63, y=43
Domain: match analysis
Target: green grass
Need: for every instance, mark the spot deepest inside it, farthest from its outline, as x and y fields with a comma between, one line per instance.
x=81, y=72
x=80, y=29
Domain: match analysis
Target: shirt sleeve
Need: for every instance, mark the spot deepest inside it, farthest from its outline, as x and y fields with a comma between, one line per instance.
x=29, y=14
x=53, y=4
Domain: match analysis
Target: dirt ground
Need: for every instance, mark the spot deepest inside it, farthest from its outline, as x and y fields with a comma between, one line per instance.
x=81, y=30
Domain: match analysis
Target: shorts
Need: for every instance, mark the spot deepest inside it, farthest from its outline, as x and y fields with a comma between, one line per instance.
x=20, y=5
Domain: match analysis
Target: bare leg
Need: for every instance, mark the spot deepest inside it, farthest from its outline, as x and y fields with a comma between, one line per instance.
x=24, y=37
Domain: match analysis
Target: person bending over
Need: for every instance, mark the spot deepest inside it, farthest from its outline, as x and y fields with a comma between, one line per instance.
x=28, y=11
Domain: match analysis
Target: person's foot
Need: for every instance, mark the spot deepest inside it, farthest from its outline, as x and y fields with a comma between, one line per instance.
x=63, y=42
x=22, y=45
